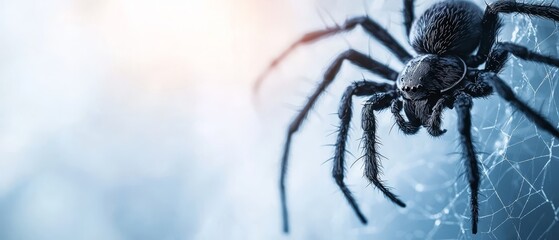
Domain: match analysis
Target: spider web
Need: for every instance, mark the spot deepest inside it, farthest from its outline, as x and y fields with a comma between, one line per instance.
x=519, y=193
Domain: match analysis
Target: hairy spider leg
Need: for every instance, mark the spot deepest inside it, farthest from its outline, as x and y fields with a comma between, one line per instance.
x=496, y=61
x=370, y=26
x=435, y=120
x=508, y=95
x=354, y=57
x=491, y=24
x=500, y=53
x=408, y=127
x=377, y=102
x=463, y=104
x=345, y=113
x=409, y=15
x=477, y=88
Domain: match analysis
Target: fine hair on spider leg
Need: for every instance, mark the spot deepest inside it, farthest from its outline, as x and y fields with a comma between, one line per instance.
x=452, y=39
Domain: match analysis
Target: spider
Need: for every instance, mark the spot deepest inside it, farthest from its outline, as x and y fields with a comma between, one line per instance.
x=444, y=74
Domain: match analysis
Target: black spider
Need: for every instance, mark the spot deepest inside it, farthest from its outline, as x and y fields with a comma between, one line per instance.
x=443, y=75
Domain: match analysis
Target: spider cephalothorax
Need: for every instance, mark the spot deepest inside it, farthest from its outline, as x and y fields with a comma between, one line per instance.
x=429, y=75
x=444, y=75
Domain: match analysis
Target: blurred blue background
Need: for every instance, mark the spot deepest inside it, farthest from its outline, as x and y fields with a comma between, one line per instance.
x=131, y=119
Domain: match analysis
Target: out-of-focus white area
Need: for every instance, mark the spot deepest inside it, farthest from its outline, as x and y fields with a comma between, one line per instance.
x=131, y=119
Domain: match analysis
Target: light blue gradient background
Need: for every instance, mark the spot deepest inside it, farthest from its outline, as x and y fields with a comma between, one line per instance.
x=134, y=120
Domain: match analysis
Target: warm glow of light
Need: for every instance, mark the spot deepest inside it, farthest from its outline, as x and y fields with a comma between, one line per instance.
x=173, y=42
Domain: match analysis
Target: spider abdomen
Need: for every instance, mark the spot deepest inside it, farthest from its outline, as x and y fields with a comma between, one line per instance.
x=448, y=28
